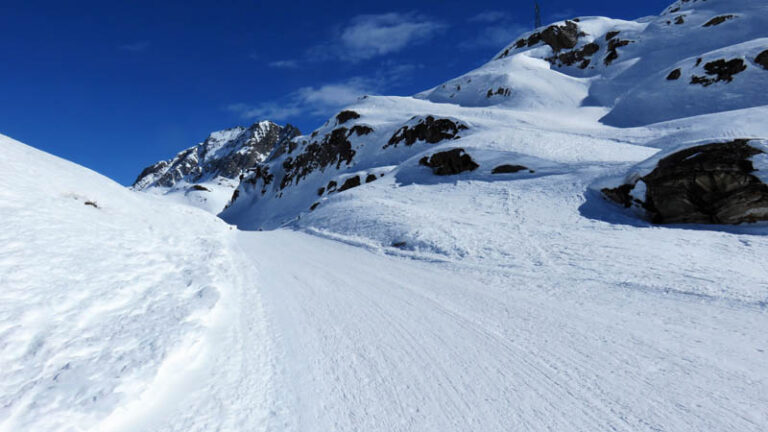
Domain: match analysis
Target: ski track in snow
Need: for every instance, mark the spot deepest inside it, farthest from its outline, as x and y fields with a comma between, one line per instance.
x=374, y=342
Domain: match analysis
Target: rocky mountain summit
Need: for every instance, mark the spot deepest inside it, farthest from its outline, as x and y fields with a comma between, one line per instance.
x=226, y=153
x=214, y=166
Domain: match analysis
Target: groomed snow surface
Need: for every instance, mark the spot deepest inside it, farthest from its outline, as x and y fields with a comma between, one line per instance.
x=143, y=315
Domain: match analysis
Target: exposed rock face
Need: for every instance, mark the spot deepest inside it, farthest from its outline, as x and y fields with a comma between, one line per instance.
x=333, y=149
x=613, y=46
x=674, y=75
x=428, y=129
x=508, y=169
x=350, y=183
x=762, y=59
x=449, y=162
x=581, y=56
x=558, y=37
x=346, y=116
x=228, y=153
x=712, y=184
x=719, y=70
x=718, y=20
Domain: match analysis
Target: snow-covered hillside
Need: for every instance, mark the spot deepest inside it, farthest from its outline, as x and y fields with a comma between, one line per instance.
x=116, y=307
x=206, y=175
x=571, y=237
x=549, y=102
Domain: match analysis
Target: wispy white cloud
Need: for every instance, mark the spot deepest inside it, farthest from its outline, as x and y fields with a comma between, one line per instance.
x=283, y=64
x=313, y=100
x=494, y=36
x=367, y=36
x=490, y=16
x=135, y=46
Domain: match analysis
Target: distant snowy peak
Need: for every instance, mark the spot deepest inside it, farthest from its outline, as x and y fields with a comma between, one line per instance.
x=227, y=153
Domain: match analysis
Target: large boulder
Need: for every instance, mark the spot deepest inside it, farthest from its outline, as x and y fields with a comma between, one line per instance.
x=449, y=162
x=711, y=183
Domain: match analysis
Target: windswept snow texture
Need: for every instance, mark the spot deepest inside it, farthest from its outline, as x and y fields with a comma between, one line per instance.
x=119, y=311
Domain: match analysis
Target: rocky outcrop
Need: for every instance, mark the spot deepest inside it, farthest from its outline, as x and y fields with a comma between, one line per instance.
x=674, y=75
x=332, y=150
x=228, y=153
x=581, y=56
x=718, y=20
x=558, y=37
x=346, y=116
x=719, y=70
x=509, y=169
x=449, y=162
x=428, y=129
x=710, y=184
x=762, y=59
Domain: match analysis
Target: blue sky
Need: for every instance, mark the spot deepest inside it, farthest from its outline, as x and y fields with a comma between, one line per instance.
x=117, y=85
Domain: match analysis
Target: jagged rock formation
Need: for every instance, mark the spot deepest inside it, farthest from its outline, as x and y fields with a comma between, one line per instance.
x=227, y=153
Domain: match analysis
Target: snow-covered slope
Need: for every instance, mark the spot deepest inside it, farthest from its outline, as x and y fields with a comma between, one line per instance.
x=549, y=102
x=459, y=263
x=205, y=175
x=115, y=307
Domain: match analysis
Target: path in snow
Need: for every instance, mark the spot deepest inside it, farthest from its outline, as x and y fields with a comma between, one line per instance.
x=369, y=342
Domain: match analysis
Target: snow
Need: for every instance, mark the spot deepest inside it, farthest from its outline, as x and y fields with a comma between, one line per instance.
x=114, y=318
x=475, y=301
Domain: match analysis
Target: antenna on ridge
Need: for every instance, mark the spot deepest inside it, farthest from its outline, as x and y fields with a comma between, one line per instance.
x=537, y=23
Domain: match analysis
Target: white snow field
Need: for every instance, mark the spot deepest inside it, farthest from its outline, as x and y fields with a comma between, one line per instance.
x=124, y=317
x=143, y=315
x=521, y=301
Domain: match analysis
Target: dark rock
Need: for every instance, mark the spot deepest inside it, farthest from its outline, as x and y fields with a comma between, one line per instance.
x=680, y=20
x=92, y=204
x=449, y=162
x=260, y=173
x=200, y=188
x=718, y=20
x=720, y=70
x=575, y=56
x=370, y=177
x=501, y=91
x=558, y=37
x=429, y=129
x=321, y=191
x=762, y=59
x=350, y=183
x=346, y=116
x=333, y=150
x=561, y=37
x=613, y=53
x=331, y=186
x=711, y=184
x=508, y=169
x=235, y=195
x=698, y=61
x=360, y=130
x=399, y=244
x=611, y=34
x=620, y=195
x=674, y=75
x=314, y=206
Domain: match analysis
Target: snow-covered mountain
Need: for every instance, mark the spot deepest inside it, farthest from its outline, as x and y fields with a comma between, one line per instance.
x=588, y=93
x=571, y=237
x=205, y=175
